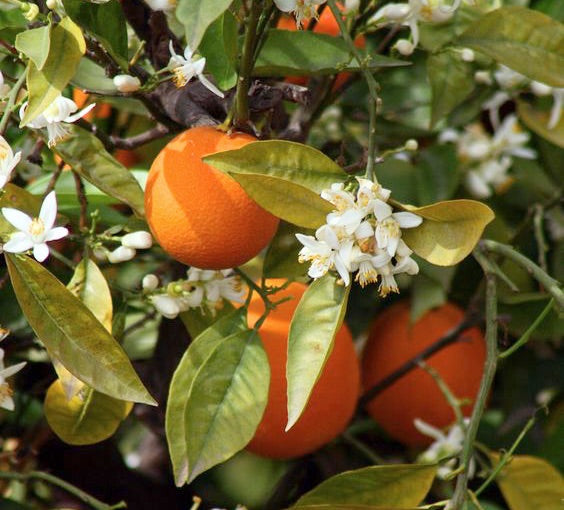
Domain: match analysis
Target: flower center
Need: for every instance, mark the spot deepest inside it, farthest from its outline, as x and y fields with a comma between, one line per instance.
x=5, y=392
x=36, y=228
x=179, y=78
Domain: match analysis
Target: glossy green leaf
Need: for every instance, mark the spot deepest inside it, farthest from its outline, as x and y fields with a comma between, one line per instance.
x=197, y=320
x=219, y=46
x=401, y=177
x=105, y=21
x=527, y=41
x=452, y=81
x=531, y=483
x=394, y=486
x=307, y=53
x=291, y=161
x=71, y=333
x=66, y=50
x=289, y=201
x=86, y=155
x=226, y=401
x=537, y=121
x=449, y=231
x=317, y=319
x=180, y=387
x=91, y=76
x=87, y=418
x=197, y=16
x=281, y=259
x=438, y=176
x=17, y=198
x=35, y=44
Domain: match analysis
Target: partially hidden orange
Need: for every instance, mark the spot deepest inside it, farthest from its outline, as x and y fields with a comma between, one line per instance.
x=199, y=215
x=101, y=110
x=334, y=397
x=393, y=341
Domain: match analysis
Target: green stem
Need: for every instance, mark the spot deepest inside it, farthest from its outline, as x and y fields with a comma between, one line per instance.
x=550, y=284
x=527, y=334
x=71, y=489
x=460, y=492
x=372, y=87
x=11, y=102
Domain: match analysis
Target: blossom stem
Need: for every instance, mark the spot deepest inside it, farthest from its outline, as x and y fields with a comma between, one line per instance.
x=372, y=87
x=11, y=102
x=71, y=489
x=460, y=492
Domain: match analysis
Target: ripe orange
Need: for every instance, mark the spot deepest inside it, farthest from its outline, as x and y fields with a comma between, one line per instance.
x=127, y=157
x=100, y=111
x=392, y=341
x=199, y=215
x=334, y=397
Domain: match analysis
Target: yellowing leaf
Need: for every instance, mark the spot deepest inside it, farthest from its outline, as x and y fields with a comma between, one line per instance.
x=537, y=121
x=449, y=231
x=531, y=483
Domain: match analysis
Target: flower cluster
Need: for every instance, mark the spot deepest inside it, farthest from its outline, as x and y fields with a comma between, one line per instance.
x=445, y=447
x=34, y=233
x=302, y=9
x=56, y=118
x=129, y=244
x=6, y=400
x=487, y=158
x=202, y=287
x=8, y=161
x=187, y=67
x=362, y=234
x=410, y=14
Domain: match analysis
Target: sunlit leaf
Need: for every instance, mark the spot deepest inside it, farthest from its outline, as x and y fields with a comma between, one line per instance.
x=527, y=41
x=17, y=198
x=449, y=231
x=394, y=486
x=66, y=50
x=197, y=320
x=35, y=44
x=317, y=319
x=87, y=418
x=531, y=483
x=537, y=121
x=198, y=351
x=197, y=16
x=72, y=334
x=226, y=401
x=86, y=155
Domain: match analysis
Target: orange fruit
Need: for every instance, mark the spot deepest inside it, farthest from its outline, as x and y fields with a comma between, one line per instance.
x=334, y=397
x=100, y=111
x=393, y=341
x=199, y=215
x=126, y=157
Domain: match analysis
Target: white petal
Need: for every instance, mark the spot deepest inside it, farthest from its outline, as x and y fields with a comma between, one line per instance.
x=428, y=430
x=40, y=252
x=407, y=219
x=381, y=210
x=7, y=403
x=166, y=305
x=342, y=270
x=209, y=85
x=141, y=240
x=392, y=245
x=17, y=218
x=56, y=233
x=286, y=5
x=48, y=211
x=121, y=254
x=18, y=243
x=364, y=230
x=12, y=369
x=80, y=113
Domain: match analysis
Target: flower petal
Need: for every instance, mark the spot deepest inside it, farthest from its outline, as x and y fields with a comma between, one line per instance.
x=17, y=218
x=12, y=369
x=40, y=252
x=209, y=85
x=18, y=243
x=56, y=233
x=407, y=219
x=48, y=211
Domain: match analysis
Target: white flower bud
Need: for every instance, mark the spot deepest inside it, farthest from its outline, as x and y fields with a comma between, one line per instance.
x=483, y=77
x=100, y=253
x=150, y=282
x=405, y=47
x=140, y=240
x=411, y=145
x=51, y=4
x=161, y=5
x=540, y=89
x=126, y=83
x=166, y=305
x=396, y=12
x=467, y=55
x=121, y=254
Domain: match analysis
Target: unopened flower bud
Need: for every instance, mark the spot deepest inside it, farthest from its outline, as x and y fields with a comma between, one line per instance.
x=126, y=83
x=411, y=145
x=150, y=282
x=51, y=4
x=540, y=89
x=166, y=305
x=483, y=77
x=396, y=12
x=404, y=47
x=161, y=5
x=140, y=240
x=30, y=11
x=467, y=55
x=121, y=254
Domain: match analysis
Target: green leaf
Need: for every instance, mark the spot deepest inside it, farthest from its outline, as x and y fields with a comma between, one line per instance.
x=72, y=334
x=17, y=198
x=281, y=259
x=291, y=161
x=91, y=76
x=45, y=85
x=197, y=16
x=438, y=175
x=527, y=41
x=226, y=401
x=449, y=231
x=181, y=384
x=531, y=483
x=219, y=46
x=85, y=153
x=87, y=418
x=105, y=21
x=401, y=177
x=537, y=121
x=35, y=44
x=394, y=486
x=452, y=81
x=197, y=320
x=305, y=53
x=317, y=319
x=289, y=201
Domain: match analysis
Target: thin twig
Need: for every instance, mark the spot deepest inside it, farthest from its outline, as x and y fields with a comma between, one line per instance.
x=54, y=178
x=83, y=201
x=542, y=247
x=141, y=139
